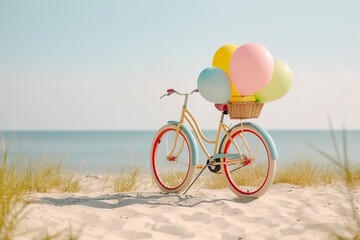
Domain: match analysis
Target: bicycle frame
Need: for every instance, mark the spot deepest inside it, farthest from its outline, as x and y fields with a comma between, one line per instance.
x=188, y=117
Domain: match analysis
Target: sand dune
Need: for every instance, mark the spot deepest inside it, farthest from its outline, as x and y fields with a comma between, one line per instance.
x=285, y=212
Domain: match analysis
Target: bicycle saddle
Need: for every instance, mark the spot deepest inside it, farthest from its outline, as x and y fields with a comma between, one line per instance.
x=221, y=107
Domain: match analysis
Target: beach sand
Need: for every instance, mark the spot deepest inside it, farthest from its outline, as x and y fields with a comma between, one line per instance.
x=96, y=212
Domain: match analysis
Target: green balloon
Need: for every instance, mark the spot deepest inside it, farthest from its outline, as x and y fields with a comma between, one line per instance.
x=279, y=84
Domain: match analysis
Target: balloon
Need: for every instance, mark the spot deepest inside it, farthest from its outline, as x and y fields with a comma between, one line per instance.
x=222, y=60
x=251, y=67
x=214, y=85
x=249, y=98
x=279, y=84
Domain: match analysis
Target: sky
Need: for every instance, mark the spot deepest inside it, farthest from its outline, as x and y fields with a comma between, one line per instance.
x=102, y=65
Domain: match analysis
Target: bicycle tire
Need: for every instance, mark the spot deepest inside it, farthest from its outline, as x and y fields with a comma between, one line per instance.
x=172, y=174
x=253, y=176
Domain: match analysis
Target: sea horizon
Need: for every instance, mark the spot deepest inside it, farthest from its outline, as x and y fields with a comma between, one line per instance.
x=101, y=151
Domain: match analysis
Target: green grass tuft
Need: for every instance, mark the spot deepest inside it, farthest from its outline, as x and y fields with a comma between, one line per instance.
x=13, y=193
x=305, y=173
x=127, y=179
x=45, y=176
x=18, y=178
x=216, y=181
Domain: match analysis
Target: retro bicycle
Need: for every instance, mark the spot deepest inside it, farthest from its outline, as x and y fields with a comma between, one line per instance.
x=244, y=154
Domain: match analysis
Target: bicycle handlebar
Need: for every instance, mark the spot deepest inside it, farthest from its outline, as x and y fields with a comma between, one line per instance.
x=171, y=91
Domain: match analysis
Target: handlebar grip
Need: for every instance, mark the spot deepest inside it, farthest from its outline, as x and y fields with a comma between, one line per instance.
x=170, y=90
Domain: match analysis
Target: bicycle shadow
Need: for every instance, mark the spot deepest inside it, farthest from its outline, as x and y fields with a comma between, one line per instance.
x=111, y=201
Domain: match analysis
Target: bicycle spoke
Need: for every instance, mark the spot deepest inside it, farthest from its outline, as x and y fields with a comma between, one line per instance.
x=256, y=150
x=237, y=168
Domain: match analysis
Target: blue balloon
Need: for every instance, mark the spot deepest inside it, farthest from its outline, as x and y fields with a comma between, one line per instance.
x=214, y=85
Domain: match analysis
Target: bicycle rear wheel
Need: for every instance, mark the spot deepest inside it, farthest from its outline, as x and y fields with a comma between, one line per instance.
x=172, y=173
x=253, y=174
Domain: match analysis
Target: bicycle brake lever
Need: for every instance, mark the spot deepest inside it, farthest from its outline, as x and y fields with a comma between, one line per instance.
x=167, y=94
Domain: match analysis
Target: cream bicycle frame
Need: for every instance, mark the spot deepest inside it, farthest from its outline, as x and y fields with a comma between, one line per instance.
x=188, y=117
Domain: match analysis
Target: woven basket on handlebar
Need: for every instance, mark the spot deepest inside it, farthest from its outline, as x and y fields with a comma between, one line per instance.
x=244, y=110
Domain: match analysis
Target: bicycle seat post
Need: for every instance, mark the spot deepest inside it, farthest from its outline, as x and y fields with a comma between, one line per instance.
x=223, y=113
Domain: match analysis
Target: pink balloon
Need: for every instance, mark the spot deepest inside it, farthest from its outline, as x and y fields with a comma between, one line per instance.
x=251, y=67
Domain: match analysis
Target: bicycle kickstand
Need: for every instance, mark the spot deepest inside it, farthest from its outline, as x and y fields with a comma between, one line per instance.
x=192, y=183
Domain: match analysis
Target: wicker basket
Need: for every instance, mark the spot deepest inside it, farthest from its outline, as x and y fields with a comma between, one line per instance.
x=244, y=110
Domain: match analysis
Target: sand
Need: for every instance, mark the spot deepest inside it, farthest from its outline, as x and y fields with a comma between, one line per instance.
x=96, y=212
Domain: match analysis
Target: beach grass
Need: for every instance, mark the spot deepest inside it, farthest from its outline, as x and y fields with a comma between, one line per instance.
x=306, y=173
x=127, y=178
x=18, y=178
x=45, y=176
x=13, y=193
x=215, y=181
x=350, y=178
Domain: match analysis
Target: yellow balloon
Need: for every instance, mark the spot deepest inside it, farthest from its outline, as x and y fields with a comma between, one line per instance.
x=222, y=60
x=249, y=98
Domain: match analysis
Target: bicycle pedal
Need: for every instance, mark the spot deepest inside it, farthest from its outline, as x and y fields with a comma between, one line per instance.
x=199, y=166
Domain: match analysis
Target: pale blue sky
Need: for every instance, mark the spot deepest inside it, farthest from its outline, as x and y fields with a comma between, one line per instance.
x=79, y=65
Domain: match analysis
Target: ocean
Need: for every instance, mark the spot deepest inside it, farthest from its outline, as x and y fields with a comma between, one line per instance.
x=104, y=152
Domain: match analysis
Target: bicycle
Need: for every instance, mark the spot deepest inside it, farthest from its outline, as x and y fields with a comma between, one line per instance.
x=246, y=155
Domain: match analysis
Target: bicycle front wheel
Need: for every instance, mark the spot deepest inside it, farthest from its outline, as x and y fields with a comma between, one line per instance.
x=252, y=174
x=172, y=168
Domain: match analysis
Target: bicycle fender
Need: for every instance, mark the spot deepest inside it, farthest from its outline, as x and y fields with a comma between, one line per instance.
x=192, y=142
x=267, y=138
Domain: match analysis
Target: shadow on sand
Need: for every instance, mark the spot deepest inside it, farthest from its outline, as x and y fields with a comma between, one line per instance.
x=110, y=201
